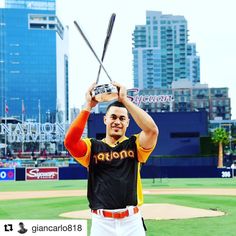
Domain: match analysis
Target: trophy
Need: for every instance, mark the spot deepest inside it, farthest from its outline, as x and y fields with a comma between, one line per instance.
x=103, y=92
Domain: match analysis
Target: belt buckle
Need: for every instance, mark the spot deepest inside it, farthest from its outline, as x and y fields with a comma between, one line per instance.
x=117, y=215
x=121, y=214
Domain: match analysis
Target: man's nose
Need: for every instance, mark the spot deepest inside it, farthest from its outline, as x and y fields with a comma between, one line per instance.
x=117, y=121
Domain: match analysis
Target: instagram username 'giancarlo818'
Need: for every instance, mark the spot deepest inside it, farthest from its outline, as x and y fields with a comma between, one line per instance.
x=57, y=228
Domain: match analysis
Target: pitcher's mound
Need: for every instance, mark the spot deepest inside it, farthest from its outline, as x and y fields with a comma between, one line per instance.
x=158, y=212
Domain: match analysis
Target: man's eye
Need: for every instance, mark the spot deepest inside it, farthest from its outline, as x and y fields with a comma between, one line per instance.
x=122, y=118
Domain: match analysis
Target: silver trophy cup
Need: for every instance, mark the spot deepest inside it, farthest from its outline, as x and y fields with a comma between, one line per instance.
x=105, y=93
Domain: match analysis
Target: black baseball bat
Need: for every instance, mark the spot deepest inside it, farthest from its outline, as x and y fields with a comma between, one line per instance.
x=91, y=48
x=108, y=36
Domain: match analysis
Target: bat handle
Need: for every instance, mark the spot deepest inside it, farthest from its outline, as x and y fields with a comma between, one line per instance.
x=109, y=31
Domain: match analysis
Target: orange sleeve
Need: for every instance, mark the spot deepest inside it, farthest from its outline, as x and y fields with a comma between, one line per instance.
x=73, y=142
x=143, y=153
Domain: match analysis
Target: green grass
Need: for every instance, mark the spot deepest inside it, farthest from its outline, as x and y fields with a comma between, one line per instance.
x=51, y=208
x=147, y=183
x=190, y=183
x=42, y=185
x=217, y=226
x=41, y=208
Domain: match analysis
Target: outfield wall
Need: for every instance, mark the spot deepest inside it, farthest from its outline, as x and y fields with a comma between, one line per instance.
x=185, y=172
x=79, y=172
x=156, y=167
x=180, y=132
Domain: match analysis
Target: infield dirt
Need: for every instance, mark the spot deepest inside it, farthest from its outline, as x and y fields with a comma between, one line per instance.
x=149, y=211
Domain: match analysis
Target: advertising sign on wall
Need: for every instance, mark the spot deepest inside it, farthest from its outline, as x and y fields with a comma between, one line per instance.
x=33, y=132
x=7, y=174
x=47, y=173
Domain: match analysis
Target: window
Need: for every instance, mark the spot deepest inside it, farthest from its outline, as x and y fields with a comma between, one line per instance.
x=51, y=26
x=51, y=18
x=38, y=26
x=184, y=134
x=38, y=18
x=14, y=71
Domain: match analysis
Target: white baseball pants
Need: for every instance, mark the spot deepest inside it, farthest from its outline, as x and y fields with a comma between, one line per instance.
x=128, y=226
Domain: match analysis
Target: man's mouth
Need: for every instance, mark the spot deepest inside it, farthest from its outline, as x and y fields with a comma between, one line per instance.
x=116, y=128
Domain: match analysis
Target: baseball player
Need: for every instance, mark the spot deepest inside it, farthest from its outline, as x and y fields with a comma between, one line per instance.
x=114, y=183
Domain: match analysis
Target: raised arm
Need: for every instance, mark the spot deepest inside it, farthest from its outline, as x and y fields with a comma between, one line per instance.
x=73, y=142
x=149, y=134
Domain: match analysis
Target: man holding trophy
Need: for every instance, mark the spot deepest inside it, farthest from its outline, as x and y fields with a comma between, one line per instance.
x=113, y=163
x=114, y=183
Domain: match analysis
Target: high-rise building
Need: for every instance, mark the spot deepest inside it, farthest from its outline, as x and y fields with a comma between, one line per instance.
x=33, y=61
x=160, y=54
x=193, y=63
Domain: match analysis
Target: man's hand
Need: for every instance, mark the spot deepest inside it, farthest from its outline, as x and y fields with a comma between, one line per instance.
x=89, y=99
x=122, y=92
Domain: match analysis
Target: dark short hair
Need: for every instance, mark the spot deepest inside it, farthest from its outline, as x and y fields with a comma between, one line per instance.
x=116, y=104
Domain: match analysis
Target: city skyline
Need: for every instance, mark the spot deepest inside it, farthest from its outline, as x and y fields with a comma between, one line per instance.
x=34, y=59
x=210, y=24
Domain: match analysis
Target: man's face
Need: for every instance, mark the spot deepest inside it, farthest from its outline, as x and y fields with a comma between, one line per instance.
x=21, y=226
x=116, y=121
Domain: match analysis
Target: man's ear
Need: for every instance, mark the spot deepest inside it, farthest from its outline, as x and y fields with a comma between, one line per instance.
x=104, y=119
x=128, y=123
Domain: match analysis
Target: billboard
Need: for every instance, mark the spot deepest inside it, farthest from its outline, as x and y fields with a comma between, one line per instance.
x=33, y=132
x=7, y=174
x=41, y=173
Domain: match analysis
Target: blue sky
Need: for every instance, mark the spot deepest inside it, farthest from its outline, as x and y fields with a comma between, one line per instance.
x=211, y=25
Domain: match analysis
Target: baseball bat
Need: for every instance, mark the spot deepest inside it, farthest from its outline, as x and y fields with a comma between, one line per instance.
x=108, y=36
x=91, y=48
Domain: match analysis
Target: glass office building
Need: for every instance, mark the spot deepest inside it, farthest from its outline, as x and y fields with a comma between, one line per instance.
x=33, y=62
x=160, y=54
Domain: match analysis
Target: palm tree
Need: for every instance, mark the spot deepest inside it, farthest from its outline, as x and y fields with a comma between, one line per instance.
x=221, y=137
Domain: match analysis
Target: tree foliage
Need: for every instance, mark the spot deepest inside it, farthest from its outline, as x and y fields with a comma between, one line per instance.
x=220, y=136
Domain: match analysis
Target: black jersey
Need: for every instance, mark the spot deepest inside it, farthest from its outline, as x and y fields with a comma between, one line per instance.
x=114, y=173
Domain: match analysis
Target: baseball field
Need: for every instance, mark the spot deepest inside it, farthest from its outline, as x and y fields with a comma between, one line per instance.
x=50, y=199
